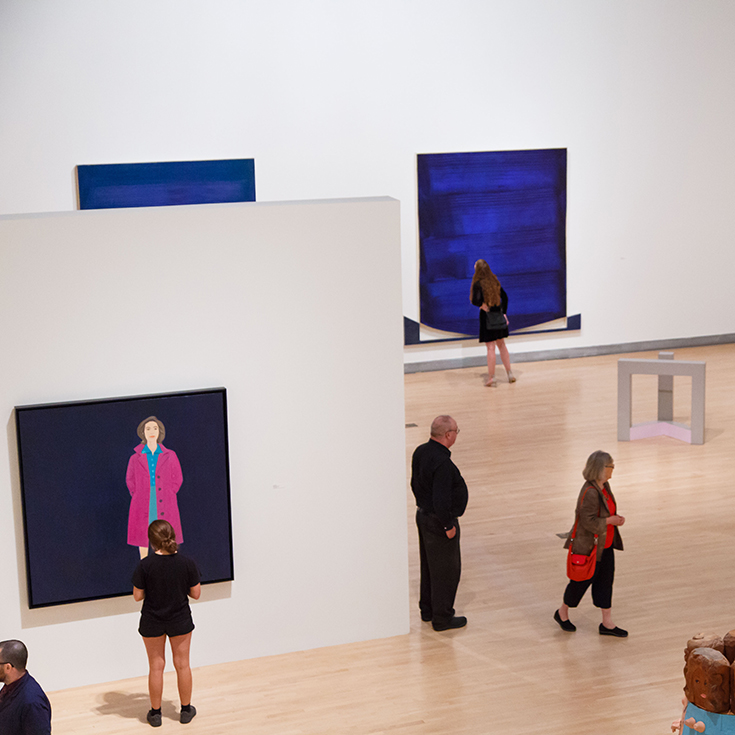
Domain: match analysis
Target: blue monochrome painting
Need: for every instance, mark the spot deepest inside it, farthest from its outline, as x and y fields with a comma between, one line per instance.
x=116, y=185
x=506, y=207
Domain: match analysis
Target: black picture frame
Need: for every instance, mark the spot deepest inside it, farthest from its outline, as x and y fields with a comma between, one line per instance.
x=73, y=459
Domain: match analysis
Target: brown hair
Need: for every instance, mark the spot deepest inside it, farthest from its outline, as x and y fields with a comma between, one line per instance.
x=161, y=429
x=162, y=537
x=488, y=282
x=596, y=462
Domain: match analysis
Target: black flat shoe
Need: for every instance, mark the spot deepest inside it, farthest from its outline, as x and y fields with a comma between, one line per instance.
x=616, y=632
x=426, y=617
x=566, y=625
x=456, y=622
x=187, y=715
x=154, y=718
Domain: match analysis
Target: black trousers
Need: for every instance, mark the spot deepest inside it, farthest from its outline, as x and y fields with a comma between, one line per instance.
x=441, y=566
x=602, y=583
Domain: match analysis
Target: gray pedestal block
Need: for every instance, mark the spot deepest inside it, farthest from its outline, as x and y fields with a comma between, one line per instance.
x=666, y=368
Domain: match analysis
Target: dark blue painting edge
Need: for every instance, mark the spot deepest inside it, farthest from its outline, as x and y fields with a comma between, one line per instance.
x=412, y=331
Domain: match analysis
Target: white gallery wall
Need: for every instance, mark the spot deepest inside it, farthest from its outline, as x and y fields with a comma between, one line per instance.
x=263, y=299
x=336, y=98
x=333, y=99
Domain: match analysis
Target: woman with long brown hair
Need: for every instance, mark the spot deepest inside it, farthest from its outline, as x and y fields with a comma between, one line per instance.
x=489, y=295
x=165, y=580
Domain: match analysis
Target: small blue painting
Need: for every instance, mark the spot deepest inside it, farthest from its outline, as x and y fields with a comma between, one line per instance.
x=117, y=185
x=507, y=207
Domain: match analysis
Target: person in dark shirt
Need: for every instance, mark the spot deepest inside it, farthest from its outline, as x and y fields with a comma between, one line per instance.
x=165, y=580
x=487, y=293
x=24, y=708
x=441, y=497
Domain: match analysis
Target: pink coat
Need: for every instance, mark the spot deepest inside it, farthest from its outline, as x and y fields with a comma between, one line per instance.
x=168, y=482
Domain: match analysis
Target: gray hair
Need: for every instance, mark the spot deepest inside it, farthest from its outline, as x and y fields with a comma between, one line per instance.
x=595, y=465
x=14, y=653
x=441, y=425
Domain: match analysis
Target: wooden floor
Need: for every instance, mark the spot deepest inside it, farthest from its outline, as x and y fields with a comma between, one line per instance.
x=512, y=670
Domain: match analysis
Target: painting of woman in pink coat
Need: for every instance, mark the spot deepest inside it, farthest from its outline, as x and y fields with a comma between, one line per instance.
x=154, y=477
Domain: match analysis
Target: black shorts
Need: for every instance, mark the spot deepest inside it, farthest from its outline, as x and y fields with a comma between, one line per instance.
x=150, y=628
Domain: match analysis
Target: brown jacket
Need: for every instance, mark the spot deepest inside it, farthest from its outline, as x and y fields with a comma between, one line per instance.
x=590, y=518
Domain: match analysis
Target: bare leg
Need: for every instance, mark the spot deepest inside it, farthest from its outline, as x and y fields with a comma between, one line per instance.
x=180, y=645
x=607, y=618
x=505, y=357
x=490, y=364
x=564, y=611
x=156, y=650
x=143, y=551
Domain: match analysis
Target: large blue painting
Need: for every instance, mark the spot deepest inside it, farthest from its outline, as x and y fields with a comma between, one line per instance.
x=507, y=207
x=115, y=185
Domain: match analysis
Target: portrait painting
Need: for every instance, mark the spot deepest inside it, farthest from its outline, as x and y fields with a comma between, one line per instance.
x=95, y=473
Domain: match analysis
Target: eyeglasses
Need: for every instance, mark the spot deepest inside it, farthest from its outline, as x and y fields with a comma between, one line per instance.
x=610, y=466
x=457, y=430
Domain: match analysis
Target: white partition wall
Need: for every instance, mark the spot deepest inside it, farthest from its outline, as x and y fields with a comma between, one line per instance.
x=296, y=309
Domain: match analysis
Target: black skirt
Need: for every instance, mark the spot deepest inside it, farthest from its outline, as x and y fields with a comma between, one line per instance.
x=490, y=335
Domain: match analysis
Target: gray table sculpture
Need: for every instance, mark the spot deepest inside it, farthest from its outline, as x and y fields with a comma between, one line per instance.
x=666, y=368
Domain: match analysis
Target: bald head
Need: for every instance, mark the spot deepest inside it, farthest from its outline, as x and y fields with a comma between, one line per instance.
x=441, y=425
x=444, y=430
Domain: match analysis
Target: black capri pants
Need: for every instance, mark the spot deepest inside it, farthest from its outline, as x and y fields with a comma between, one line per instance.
x=602, y=583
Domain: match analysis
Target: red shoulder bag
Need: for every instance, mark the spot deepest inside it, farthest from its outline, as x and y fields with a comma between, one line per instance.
x=581, y=567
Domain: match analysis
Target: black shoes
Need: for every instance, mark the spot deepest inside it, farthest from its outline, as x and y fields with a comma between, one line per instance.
x=617, y=632
x=187, y=715
x=456, y=622
x=570, y=627
x=426, y=617
x=566, y=625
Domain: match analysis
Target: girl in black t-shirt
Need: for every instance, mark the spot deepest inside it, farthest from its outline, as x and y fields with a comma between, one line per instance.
x=164, y=581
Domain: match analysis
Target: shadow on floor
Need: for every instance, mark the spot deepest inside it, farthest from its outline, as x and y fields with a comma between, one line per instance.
x=133, y=706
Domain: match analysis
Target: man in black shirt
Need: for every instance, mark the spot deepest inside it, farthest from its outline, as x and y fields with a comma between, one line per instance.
x=441, y=497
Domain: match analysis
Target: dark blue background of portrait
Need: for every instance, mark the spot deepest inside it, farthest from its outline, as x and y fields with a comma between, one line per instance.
x=73, y=460
x=507, y=207
x=114, y=185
